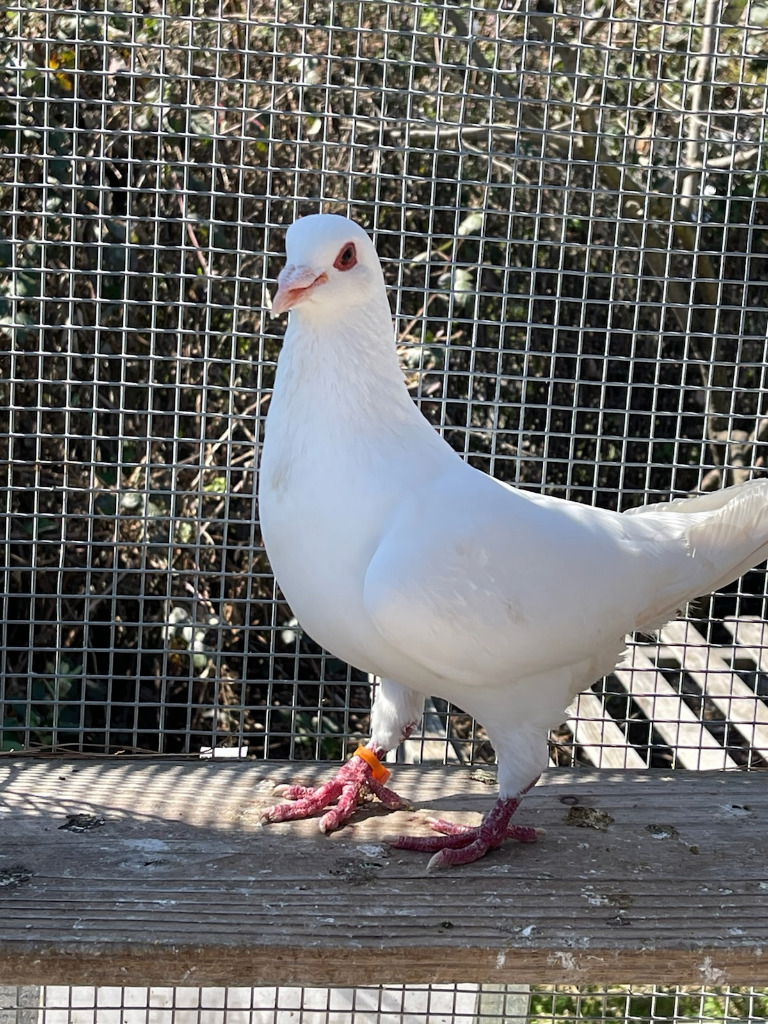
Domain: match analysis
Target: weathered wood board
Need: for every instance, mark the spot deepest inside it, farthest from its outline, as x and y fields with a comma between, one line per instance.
x=175, y=882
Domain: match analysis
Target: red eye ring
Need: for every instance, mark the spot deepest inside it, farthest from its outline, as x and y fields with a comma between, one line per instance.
x=347, y=257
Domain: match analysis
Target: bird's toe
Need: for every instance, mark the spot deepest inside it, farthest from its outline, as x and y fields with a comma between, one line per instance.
x=304, y=803
x=388, y=796
x=429, y=844
x=524, y=833
x=291, y=792
x=452, y=856
x=451, y=828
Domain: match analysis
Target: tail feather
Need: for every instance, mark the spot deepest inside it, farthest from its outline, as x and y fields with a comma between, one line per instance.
x=712, y=501
x=735, y=536
x=724, y=533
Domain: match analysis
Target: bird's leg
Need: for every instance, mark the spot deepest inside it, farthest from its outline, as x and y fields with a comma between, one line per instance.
x=461, y=844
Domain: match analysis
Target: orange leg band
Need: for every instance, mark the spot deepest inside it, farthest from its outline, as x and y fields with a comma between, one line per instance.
x=380, y=773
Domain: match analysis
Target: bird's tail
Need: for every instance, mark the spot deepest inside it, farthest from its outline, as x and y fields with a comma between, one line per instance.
x=724, y=532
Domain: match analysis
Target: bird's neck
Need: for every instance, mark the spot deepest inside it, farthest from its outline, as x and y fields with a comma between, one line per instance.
x=345, y=371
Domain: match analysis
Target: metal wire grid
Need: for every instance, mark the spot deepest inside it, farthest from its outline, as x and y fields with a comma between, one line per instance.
x=570, y=210
x=427, y=1004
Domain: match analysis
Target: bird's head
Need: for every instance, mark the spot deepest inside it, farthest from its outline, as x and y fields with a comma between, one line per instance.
x=331, y=265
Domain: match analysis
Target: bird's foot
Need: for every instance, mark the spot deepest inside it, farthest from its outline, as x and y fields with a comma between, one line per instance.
x=362, y=775
x=462, y=844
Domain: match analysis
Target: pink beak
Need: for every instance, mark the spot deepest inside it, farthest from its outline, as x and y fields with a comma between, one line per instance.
x=294, y=284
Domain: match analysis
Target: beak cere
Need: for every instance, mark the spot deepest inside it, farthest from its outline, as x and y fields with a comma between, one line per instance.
x=294, y=284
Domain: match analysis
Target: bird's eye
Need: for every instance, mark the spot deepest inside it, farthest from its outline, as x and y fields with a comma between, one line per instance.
x=347, y=257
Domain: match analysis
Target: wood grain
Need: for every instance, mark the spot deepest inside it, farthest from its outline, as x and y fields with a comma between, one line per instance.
x=180, y=885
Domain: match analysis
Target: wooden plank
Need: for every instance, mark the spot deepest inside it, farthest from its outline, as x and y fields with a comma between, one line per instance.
x=695, y=747
x=180, y=885
x=728, y=692
x=752, y=636
x=599, y=736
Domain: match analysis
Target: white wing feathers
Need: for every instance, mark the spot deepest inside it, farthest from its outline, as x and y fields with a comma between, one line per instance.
x=483, y=584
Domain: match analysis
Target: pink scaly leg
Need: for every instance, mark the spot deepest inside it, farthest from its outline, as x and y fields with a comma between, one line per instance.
x=462, y=844
x=349, y=787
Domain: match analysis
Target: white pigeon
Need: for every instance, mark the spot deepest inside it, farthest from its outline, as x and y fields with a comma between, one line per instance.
x=403, y=560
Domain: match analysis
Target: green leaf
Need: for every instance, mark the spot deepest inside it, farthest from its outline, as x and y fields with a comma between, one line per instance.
x=218, y=485
x=132, y=502
x=429, y=19
x=202, y=123
x=185, y=532
x=28, y=283
x=471, y=225
x=460, y=284
x=20, y=319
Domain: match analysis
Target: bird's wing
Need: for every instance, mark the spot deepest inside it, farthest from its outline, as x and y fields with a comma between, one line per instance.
x=481, y=583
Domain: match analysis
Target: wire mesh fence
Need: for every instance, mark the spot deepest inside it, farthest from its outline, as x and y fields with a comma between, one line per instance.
x=569, y=199
x=570, y=209
x=425, y=1004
